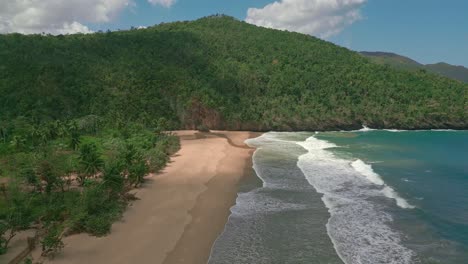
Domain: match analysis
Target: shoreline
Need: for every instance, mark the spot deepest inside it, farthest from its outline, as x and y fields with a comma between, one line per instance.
x=206, y=217
x=180, y=212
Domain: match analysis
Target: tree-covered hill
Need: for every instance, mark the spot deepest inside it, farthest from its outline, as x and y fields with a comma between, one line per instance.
x=393, y=60
x=451, y=71
x=220, y=73
x=401, y=62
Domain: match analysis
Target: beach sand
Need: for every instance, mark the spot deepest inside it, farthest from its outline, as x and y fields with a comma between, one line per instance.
x=181, y=211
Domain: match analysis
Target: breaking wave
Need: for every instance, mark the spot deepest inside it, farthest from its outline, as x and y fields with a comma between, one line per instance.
x=359, y=223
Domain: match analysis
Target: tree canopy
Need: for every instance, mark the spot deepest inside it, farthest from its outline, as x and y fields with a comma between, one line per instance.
x=220, y=73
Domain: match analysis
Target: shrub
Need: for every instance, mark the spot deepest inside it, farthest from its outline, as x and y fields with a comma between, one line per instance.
x=137, y=171
x=157, y=159
x=17, y=215
x=113, y=179
x=203, y=128
x=52, y=240
x=46, y=173
x=29, y=176
x=74, y=140
x=96, y=210
x=99, y=225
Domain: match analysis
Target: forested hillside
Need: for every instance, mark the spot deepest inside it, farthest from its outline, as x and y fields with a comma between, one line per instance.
x=220, y=73
x=401, y=62
x=393, y=59
x=451, y=71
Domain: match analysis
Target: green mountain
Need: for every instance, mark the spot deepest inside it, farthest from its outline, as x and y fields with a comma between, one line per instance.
x=392, y=59
x=220, y=73
x=454, y=72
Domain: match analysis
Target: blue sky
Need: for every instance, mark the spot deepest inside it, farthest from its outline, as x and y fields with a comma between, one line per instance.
x=145, y=14
x=428, y=31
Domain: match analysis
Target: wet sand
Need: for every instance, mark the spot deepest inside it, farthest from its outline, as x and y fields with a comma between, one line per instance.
x=181, y=211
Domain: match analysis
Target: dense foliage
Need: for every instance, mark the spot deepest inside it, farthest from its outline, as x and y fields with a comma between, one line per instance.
x=69, y=177
x=221, y=73
x=401, y=62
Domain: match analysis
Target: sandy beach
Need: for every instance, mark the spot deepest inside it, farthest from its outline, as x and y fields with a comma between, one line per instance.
x=181, y=210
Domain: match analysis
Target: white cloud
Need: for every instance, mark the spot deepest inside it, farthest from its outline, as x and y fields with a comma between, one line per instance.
x=73, y=28
x=61, y=16
x=56, y=16
x=322, y=18
x=165, y=3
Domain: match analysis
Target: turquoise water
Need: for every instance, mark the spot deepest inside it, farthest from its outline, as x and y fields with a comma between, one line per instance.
x=430, y=170
x=352, y=197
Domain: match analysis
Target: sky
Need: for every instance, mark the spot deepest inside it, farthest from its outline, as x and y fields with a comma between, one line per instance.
x=427, y=31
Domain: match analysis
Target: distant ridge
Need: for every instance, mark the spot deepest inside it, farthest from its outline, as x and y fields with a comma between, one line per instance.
x=459, y=73
x=456, y=72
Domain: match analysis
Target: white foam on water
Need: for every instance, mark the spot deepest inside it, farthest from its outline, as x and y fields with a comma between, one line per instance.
x=391, y=193
x=358, y=224
x=267, y=138
x=367, y=171
x=367, y=129
x=263, y=140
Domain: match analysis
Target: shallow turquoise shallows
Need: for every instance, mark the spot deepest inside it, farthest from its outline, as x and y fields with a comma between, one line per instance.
x=367, y=197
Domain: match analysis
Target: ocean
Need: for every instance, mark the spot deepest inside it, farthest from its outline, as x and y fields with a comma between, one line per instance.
x=360, y=197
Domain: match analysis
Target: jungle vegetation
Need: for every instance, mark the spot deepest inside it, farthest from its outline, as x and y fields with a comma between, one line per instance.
x=60, y=178
x=221, y=73
x=82, y=116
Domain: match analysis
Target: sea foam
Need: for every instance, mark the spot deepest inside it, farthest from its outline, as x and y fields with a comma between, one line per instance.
x=358, y=224
x=368, y=129
x=367, y=171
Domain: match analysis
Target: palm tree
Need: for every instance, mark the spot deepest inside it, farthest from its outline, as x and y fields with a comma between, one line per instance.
x=90, y=161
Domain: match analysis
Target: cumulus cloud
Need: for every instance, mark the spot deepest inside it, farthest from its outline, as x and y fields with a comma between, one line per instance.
x=56, y=16
x=61, y=16
x=165, y=3
x=322, y=18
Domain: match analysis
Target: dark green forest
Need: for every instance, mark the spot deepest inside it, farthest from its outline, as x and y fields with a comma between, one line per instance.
x=82, y=117
x=221, y=73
